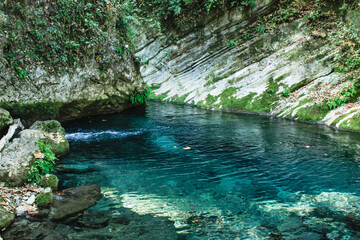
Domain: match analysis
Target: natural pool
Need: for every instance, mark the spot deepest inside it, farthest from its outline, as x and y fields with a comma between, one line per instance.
x=219, y=175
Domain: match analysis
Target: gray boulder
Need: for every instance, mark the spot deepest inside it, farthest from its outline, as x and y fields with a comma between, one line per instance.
x=74, y=200
x=55, y=134
x=5, y=119
x=17, y=157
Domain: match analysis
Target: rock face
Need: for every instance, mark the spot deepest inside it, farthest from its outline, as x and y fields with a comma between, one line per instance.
x=5, y=119
x=74, y=200
x=17, y=156
x=93, y=76
x=218, y=68
x=85, y=92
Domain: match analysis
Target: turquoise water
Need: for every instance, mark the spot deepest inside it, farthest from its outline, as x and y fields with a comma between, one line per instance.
x=221, y=175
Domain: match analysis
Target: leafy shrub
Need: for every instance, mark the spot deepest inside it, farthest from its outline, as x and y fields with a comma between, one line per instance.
x=186, y=12
x=285, y=93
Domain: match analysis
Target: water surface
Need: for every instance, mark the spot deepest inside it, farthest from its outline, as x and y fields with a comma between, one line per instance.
x=220, y=175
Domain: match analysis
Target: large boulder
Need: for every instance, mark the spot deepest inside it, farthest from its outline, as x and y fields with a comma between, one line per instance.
x=5, y=119
x=74, y=200
x=17, y=157
x=55, y=135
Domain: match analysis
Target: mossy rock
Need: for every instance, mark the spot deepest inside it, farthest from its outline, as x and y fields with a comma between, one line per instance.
x=6, y=218
x=44, y=199
x=5, y=119
x=55, y=134
x=49, y=180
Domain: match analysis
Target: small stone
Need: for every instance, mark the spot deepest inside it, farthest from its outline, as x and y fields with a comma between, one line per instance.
x=20, y=210
x=31, y=200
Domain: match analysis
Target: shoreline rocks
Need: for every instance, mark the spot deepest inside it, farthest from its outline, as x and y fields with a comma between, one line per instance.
x=17, y=156
x=39, y=211
x=74, y=200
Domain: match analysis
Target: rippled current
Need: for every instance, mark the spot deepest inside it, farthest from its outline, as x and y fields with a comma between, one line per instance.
x=220, y=175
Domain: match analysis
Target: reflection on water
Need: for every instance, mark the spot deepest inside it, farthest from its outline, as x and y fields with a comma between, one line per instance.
x=220, y=175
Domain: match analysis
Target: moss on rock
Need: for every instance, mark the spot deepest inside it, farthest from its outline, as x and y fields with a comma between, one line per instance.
x=6, y=218
x=313, y=113
x=44, y=199
x=49, y=180
x=5, y=119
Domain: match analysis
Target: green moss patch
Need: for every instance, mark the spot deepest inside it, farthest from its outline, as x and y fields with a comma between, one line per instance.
x=33, y=111
x=352, y=123
x=44, y=199
x=312, y=113
x=162, y=96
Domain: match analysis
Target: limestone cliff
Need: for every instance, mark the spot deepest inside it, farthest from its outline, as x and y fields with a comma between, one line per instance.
x=266, y=60
x=65, y=59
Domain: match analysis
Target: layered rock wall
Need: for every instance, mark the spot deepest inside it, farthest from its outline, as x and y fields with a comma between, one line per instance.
x=279, y=72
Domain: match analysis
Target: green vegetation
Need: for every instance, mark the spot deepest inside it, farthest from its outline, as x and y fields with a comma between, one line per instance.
x=33, y=111
x=44, y=199
x=140, y=97
x=352, y=123
x=285, y=93
x=312, y=113
x=59, y=35
x=43, y=162
x=185, y=13
x=49, y=180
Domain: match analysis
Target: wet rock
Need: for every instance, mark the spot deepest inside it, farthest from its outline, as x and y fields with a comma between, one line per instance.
x=74, y=200
x=95, y=219
x=26, y=230
x=55, y=134
x=290, y=224
x=63, y=229
x=6, y=217
x=122, y=219
x=49, y=180
x=352, y=222
x=5, y=119
x=54, y=236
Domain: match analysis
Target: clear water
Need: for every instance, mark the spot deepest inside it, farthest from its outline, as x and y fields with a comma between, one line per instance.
x=239, y=176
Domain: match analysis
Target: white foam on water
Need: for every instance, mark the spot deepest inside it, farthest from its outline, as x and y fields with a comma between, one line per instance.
x=88, y=136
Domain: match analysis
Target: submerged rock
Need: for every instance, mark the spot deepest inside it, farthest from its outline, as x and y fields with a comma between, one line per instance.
x=27, y=230
x=95, y=219
x=74, y=200
x=5, y=119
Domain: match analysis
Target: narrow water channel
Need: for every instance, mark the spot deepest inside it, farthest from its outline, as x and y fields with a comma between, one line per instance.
x=219, y=175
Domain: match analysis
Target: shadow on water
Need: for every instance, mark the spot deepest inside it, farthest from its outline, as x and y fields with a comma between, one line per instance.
x=219, y=175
